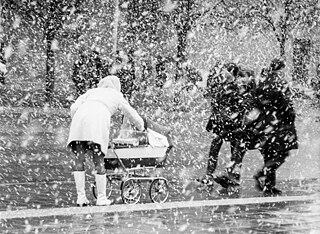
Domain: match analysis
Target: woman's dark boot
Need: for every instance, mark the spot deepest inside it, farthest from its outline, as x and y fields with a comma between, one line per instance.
x=269, y=188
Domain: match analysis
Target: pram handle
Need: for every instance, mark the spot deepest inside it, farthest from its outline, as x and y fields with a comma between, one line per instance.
x=156, y=127
x=149, y=124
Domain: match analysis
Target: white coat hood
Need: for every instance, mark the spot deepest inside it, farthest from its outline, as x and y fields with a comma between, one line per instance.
x=110, y=82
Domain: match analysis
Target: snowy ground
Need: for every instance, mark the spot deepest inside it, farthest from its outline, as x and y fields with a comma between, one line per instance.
x=36, y=174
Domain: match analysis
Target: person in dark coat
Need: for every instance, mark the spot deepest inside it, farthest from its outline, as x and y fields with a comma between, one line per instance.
x=275, y=122
x=229, y=103
x=269, y=127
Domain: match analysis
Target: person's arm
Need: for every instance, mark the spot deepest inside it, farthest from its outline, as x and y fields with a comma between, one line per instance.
x=131, y=113
x=286, y=108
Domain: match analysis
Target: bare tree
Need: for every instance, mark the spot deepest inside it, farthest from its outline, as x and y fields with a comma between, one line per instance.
x=287, y=19
x=293, y=20
x=48, y=15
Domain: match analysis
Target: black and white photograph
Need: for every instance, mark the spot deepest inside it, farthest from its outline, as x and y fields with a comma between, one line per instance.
x=160, y=116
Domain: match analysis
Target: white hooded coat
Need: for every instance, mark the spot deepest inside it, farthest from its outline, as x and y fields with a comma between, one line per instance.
x=91, y=113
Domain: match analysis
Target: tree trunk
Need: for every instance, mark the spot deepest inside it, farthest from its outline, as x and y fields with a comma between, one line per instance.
x=316, y=82
x=183, y=26
x=282, y=47
x=182, y=34
x=301, y=58
x=50, y=68
x=115, y=27
x=182, y=44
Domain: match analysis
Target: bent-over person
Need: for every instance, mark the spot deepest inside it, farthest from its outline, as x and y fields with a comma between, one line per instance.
x=89, y=131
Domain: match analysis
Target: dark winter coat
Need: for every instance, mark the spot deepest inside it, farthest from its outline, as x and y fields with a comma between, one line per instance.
x=229, y=102
x=276, y=121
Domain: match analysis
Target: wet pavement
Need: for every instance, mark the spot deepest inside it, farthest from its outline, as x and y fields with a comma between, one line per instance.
x=189, y=209
x=268, y=217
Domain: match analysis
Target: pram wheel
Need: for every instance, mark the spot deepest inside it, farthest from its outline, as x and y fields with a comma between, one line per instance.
x=108, y=189
x=158, y=191
x=130, y=191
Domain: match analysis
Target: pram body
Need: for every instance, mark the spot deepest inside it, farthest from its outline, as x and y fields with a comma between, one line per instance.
x=132, y=159
x=135, y=156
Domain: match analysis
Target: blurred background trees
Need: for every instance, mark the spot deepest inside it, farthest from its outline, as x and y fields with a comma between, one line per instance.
x=153, y=35
x=46, y=20
x=290, y=21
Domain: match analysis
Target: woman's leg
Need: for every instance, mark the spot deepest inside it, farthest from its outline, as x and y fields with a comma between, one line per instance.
x=234, y=169
x=238, y=150
x=212, y=161
x=98, y=159
x=213, y=154
x=272, y=161
x=100, y=177
x=79, y=149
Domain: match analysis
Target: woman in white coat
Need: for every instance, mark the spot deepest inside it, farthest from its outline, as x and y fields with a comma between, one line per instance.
x=89, y=131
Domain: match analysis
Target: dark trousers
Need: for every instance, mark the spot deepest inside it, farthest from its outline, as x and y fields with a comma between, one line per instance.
x=237, y=154
x=272, y=161
x=213, y=154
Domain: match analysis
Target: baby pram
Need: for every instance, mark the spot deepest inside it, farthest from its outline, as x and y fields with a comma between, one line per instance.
x=134, y=157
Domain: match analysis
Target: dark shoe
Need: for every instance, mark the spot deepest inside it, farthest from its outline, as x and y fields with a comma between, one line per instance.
x=259, y=183
x=231, y=179
x=271, y=192
x=226, y=182
x=207, y=179
x=233, y=172
x=83, y=205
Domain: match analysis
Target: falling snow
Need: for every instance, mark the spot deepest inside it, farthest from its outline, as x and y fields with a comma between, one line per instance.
x=164, y=53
